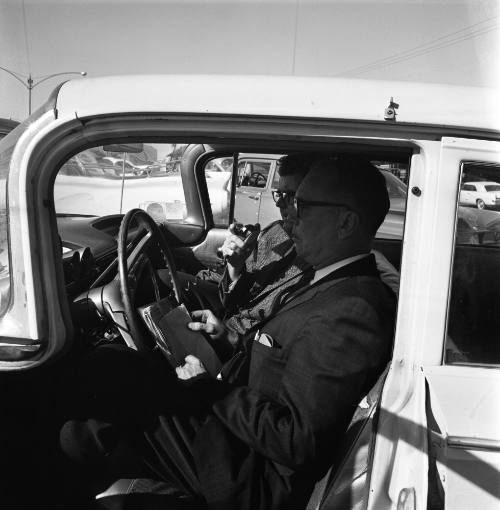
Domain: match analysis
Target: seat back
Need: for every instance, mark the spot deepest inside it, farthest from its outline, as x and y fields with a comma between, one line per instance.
x=344, y=486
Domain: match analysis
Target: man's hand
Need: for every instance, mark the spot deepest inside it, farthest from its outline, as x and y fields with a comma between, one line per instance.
x=236, y=250
x=191, y=368
x=206, y=321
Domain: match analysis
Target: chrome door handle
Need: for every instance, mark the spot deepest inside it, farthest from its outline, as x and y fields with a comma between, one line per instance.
x=254, y=197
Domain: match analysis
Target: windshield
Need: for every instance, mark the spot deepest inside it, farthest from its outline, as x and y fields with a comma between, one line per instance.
x=98, y=182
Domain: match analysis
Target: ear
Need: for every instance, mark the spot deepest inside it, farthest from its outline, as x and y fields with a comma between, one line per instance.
x=348, y=223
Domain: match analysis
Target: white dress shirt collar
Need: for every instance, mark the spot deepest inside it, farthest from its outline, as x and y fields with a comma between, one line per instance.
x=324, y=271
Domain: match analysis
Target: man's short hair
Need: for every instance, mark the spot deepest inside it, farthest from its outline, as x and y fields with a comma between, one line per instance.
x=363, y=184
x=295, y=164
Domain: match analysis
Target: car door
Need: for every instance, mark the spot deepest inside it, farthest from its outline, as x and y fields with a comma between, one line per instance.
x=438, y=437
x=464, y=388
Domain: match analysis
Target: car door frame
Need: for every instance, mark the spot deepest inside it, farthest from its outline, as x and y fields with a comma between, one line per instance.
x=401, y=456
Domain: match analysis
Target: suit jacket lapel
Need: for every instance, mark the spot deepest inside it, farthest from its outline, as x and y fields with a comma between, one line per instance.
x=362, y=267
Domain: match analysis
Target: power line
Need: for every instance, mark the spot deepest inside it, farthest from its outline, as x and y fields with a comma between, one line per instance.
x=372, y=67
x=424, y=48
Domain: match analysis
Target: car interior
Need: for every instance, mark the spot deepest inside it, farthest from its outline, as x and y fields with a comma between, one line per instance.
x=114, y=264
x=127, y=239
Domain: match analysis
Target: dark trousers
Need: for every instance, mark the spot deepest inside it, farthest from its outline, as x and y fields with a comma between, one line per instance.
x=131, y=417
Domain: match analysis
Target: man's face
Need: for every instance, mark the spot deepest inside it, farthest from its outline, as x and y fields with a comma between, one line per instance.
x=316, y=227
x=288, y=185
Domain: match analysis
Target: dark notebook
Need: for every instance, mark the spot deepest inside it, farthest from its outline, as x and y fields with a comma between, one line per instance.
x=175, y=339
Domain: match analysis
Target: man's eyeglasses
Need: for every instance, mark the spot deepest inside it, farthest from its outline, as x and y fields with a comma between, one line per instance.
x=299, y=204
x=282, y=197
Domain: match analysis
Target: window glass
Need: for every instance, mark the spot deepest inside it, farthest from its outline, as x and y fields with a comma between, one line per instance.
x=5, y=156
x=276, y=179
x=395, y=175
x=474, y=307
x=258, y=172
x=243, y=174
x=7, y=145
x=253, y=173
x=97, y=182
x=259, y=207
x=218, y=175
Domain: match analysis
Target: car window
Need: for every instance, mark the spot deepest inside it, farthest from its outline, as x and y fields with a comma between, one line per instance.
x=392, y=227
x=7, y=145
x=276, y=179
x=474, y=305
x=218, y=175
x=96, y=182
x=253, y=173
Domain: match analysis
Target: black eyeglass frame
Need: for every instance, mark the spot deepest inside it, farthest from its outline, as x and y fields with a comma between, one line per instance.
x=298, y=203
x=286, y=196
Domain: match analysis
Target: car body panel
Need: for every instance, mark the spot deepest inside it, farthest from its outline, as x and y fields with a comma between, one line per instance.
x=466, y=407
x=298, y=97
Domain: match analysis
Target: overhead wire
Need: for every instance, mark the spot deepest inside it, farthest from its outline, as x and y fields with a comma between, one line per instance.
x=373, y=67
x=428, y=47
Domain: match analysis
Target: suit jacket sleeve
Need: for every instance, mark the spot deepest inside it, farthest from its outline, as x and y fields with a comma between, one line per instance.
x=301, y=395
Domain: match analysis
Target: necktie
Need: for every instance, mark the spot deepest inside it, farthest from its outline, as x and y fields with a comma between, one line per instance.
x=288, y=293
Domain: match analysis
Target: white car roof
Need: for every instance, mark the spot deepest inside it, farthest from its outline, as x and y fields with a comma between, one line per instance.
x=281, y=96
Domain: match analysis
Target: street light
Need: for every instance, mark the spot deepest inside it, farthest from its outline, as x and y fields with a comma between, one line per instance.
x=30, y=82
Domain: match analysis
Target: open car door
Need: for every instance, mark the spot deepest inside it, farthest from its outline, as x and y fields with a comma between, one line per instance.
x=464, y=389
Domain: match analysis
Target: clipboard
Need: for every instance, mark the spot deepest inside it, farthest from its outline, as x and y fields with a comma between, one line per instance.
x=169, y=327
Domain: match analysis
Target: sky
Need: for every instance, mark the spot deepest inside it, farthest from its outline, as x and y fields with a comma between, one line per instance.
x=441, y=41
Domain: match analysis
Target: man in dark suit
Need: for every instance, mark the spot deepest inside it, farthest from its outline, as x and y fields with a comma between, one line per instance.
x=258, y=270
x=260, y=435
x=296, y=379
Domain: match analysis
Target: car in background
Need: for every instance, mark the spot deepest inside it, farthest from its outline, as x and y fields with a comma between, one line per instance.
x=124, y=165
x=480, y=194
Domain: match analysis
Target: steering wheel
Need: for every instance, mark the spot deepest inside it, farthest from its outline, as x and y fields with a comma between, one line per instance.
x=148, y=235
x=254, y=179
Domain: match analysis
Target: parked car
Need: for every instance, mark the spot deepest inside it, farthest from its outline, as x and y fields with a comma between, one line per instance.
x=482, y=194
x=432, y=438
